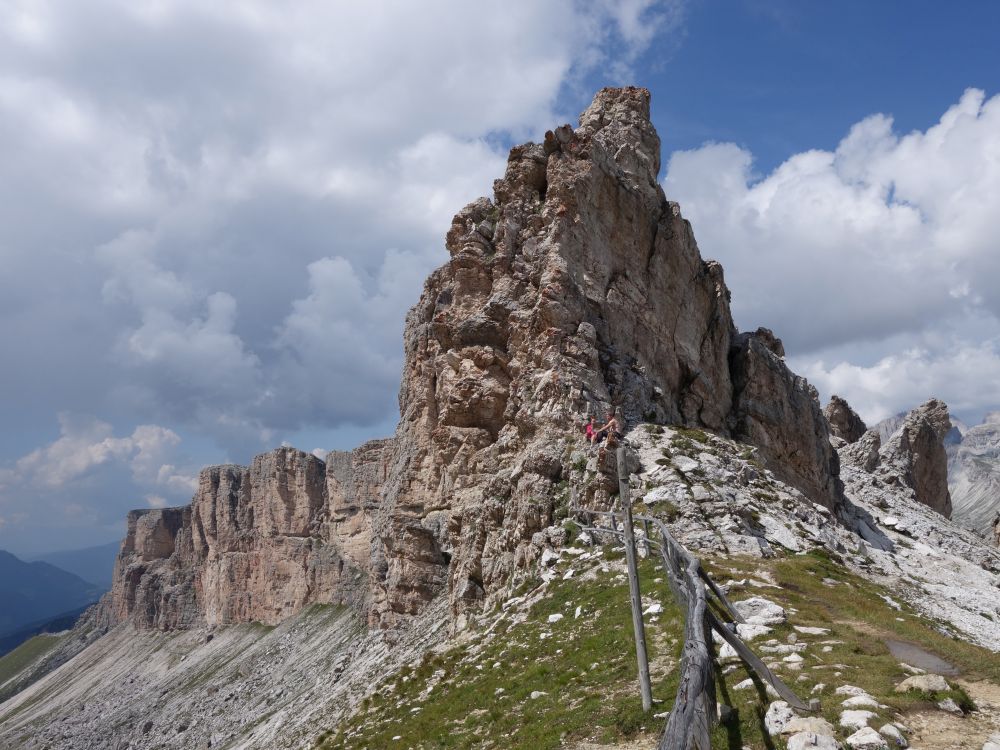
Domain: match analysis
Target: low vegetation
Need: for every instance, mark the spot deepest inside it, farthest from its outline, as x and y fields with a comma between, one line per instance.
x=11, y=664
x=581, y=670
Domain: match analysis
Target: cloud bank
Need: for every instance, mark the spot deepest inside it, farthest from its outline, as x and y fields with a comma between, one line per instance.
x=877, y=263
x=216, y=214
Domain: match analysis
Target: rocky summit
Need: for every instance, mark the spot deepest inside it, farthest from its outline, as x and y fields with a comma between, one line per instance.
x=576, y=290
x=294, y=591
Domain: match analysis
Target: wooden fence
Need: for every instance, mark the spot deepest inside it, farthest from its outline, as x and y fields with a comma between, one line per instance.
x=694, y=713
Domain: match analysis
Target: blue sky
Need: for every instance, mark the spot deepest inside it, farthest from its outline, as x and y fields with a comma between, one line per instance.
x=216, y=215
x=781, y=77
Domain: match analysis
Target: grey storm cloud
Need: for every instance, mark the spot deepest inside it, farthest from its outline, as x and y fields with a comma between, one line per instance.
x=217, y=214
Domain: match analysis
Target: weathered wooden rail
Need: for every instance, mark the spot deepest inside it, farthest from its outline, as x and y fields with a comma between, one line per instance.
x=694, y=713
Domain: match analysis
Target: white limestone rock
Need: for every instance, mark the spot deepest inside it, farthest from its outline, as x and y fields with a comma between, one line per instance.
x=867, y=738
x=812, y=741
x=813, y=724
x=779, y=713
x=760, y=611
x=930, y=683
x=894, y=736
x=749, y=632
x=861, y=701
x=950, y=706
x=855, y=719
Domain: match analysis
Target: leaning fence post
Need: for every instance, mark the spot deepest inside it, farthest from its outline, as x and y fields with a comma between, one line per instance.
x=633, y=583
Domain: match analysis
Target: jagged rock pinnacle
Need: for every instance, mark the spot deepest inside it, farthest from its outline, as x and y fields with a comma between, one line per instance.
x=575, y=290
x=844, y=422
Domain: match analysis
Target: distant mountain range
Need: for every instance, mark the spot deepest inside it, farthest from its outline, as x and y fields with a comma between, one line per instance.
x=32, y=593
x=93, y=564
x=974, y=475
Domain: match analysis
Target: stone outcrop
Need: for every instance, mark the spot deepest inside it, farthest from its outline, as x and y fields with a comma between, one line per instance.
x=917, y=451
x=578, y=288
x=865, y=451
x=843, y=420
x=913, y=457
x=779, y=411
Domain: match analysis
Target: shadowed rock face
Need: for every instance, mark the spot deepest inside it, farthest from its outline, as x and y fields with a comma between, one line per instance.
x=779, y=412
x=844, y=422
x=917, y=451
x=576, y=289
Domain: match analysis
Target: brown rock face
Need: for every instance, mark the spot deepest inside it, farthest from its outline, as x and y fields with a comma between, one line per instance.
x=916, y=453
x=576, y=289
x=778, y=411
x=844, y=422
x=256, y=544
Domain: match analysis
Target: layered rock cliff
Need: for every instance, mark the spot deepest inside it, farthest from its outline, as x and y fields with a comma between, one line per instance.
x=577, y=289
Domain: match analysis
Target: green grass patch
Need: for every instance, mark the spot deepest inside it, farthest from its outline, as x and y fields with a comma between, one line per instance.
x=859, y=620
x=693, y=434
x=480, y=694
x=28, y=652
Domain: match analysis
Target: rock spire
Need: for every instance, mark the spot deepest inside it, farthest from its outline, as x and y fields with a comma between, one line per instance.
x=576, y=289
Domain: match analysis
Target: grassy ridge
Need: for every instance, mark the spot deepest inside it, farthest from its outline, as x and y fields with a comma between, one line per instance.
x=28, y=652
x=481, y=692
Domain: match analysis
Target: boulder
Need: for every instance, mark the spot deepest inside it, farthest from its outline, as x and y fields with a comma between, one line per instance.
x=894, y=736
x=929, y=683
x=812, y=741
x=760, y=611
x=778, y=715
x=855, y=719
x=867, y=738
x=813, y=724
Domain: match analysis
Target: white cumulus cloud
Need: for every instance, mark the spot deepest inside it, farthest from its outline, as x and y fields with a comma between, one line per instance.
x=878, y=263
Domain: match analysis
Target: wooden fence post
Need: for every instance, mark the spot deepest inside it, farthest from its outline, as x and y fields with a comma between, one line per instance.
x=633, y=583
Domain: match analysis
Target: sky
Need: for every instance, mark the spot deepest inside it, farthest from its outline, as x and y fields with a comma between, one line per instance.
x=214, y=216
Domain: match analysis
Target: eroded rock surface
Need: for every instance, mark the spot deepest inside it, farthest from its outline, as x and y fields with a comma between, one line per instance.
x=974, y=476
x=576, y=289
x=844, y=421
x=916, y=453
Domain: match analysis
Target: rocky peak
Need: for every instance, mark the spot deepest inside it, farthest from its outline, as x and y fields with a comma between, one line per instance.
x=914, y=456
x=575, y=290
x=844, y=421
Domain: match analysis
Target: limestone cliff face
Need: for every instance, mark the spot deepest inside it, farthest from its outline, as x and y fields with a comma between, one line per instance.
x=257, y=543
x=576, y=289
x=974, y=476
x=917, y=451
x=779, y=411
